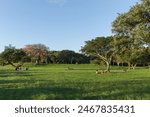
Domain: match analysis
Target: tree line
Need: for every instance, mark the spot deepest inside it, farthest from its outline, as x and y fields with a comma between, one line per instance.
x=40, y=54
x=129, y=44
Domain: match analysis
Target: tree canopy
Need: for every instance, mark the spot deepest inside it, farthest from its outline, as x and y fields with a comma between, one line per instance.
x=101, y=47
x=12, y=55
x=37, y=52
x=132, y=32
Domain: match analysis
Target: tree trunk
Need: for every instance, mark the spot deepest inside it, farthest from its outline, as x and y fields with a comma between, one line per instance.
x=38, y=60
x=11, y=64
x=108, y=66
x=118, y=64
x=134, y=66
x=18, y=66
x=129, y=65
x=15, y=66
x=106, y=60
x=149, y=66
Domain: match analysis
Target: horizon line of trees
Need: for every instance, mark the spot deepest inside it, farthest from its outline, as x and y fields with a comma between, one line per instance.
x=40, y=54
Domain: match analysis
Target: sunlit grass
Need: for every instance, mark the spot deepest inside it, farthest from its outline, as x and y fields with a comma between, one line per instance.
x=80, y=82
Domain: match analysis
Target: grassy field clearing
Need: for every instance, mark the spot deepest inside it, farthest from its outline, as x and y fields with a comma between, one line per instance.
x=80, y=82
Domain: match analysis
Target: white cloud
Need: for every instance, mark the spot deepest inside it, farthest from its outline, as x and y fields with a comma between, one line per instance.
x=58, y=2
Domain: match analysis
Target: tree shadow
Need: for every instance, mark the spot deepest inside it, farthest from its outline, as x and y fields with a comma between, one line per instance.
x=49, y=93
x=51, y=90
x=8, y=73
x=130, y=90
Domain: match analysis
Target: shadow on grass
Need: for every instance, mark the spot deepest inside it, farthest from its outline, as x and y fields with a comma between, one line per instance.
x=68, y=90
x=58, y=93
x=36, y=89
x=123, y=90
x=8, y=73
x=16, y=81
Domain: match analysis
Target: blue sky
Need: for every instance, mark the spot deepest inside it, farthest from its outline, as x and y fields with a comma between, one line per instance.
x=59, y=24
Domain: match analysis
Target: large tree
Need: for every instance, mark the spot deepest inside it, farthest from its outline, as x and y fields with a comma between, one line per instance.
x=124, y=50
x=135, y=23
x=132, y=32
x=101, y=47
x=12, y=56
x=37, y=52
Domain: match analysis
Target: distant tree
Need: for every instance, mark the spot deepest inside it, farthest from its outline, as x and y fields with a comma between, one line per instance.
x=66, y=57
x=37, y=52
x=101, y=47
x=12, y=56
x=53, y=56
x=81, y=58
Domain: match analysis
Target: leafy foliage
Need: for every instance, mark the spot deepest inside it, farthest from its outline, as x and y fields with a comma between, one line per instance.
x=37, y=52
x=12, y=55
x=101, y=47
x=132, y=33
x=68, y=57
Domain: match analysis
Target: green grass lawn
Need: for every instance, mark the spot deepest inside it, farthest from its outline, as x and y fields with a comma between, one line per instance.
x=80, y=82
